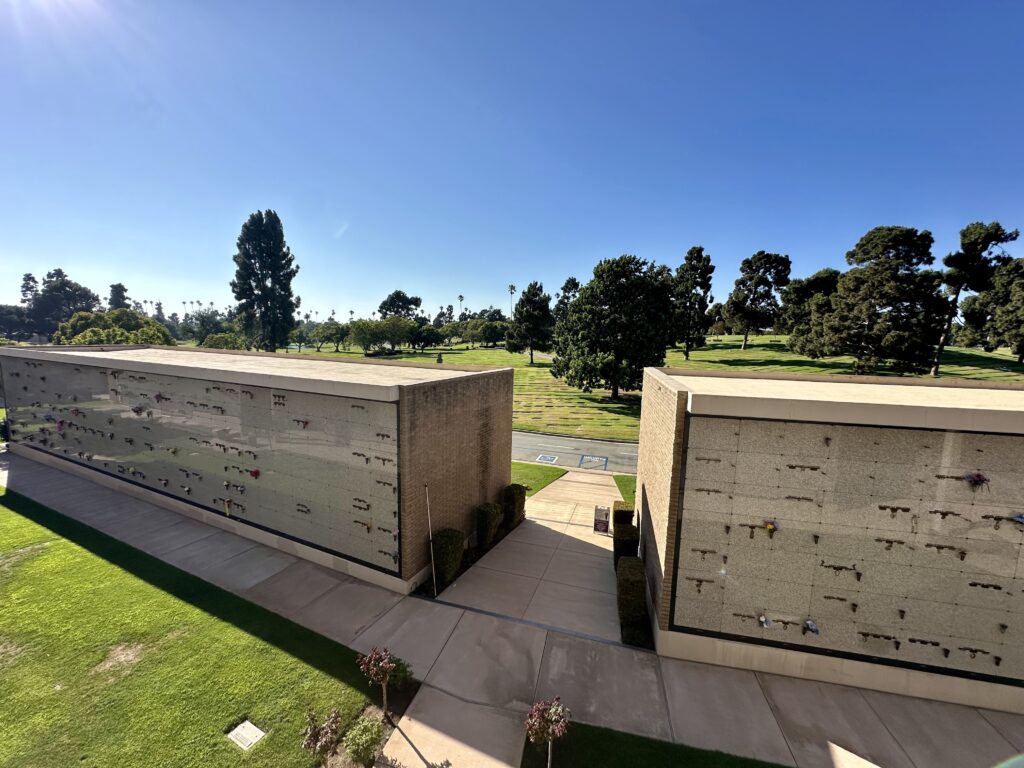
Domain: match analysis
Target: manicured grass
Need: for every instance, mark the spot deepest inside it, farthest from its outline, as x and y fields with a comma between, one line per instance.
x=586, y=746
x=109, y=657
x=542, y=403
x=534, y=476
x=627, y=487
x=769, y=353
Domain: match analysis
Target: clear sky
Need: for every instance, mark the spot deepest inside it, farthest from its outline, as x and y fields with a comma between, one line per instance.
x=454, y=147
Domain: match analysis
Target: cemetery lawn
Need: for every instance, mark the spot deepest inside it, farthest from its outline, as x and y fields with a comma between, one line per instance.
x=586, y=746
x=534, y=476
x=109, y=657
x=542, y=403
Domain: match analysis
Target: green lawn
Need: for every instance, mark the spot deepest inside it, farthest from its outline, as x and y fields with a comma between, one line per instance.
x=543, y=403
x=534, y=476
x=627, y=487
x=109, y=657
x=586, y=746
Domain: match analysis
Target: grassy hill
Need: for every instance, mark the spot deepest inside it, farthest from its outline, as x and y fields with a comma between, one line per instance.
x=545, y=404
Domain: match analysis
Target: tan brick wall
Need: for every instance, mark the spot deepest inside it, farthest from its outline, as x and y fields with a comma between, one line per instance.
x=455, y=437
x=662, y=415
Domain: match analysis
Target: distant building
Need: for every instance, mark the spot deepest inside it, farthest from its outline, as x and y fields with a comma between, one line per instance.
x=332, y=460
x=861, y=531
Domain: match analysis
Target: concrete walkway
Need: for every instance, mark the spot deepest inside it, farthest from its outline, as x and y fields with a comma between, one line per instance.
x=481, y=672
x=552, y=570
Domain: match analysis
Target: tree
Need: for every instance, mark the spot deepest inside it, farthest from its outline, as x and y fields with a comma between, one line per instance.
x=383, y=668
x=971, y=268
x=426, y=336
x=805, y=304
x=299, y=336
x=492, y=332
x=887, y=308
x=366, y=334
x=547, y=721
x=56, y=301
x=533, y=323
x=262, y=286
x=399, y=304
x=329, y=332
x=397, y=331
x=564, y=298
x=511, y=293
x=117, y=326
x=615, y=327
x=29, y=288
x=202, y=322
x=995, y=317
x=753, y=304
x=692, y=294
x=118, y=297
x=224, y=341
x=716, y=319
x=14, y=322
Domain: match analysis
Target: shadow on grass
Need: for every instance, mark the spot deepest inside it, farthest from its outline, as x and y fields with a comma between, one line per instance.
x=626, y=405
x=307, y=646
x=761, y=362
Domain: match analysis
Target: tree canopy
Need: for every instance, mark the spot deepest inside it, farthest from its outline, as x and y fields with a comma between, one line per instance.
x=400, y=304
x=887, y=309
x=616, y=326
x=262, y=286
x=971, y=268
x=805, y=302
x=691, y=297
x=753, y=304
x=533, y=323
x=55, y=301
x=118, y=297
x=116, y=326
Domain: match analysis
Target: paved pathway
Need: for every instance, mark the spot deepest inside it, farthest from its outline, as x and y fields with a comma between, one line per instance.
x=575, y=452
x=553, y=569
x=481, y=672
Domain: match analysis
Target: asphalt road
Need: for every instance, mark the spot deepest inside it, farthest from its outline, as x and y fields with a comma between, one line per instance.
x=574, y=453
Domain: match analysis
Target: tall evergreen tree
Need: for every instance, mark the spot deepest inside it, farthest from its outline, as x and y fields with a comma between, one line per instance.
x=971, y=268
x=616, y=326
x=887, y=308
x=692, y=295
x=533, y=322
x=29, y=288
x=565, y=297
x=118, y=297
x=753, y=304
x=262, y=286
x=57, y=300
x=995, y=317
x=805, y=304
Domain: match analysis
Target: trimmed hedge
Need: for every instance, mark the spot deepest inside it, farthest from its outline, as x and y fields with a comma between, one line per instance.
x=449, y=548
x=625, y=543
x=513, y=505
x=488, y=518
x=629, y=577
x=622, y=513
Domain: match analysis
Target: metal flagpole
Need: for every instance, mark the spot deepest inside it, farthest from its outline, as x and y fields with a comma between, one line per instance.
x=430, y=533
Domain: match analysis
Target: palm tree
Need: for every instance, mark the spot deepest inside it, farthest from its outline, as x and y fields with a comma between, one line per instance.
x=511, y=293
x=351, y=315
x=461, y=297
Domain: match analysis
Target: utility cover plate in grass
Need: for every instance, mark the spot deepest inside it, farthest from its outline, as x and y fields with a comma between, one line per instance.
x=246, y=735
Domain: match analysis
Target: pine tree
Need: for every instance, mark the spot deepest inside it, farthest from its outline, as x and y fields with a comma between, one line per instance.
x=887, y=308
x=533, y=322
x=753, y=304
x=692, y=295
x=971, y=268
x=263, y=281
x=118, y=297
x=805, y=304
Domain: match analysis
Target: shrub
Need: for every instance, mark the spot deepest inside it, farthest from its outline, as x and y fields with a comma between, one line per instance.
x=513, y=505
x=449, y=545
x=384, y=668
x=321, y=739
x=626, y=542
x=622, y=513
x=223, y=341
x=488, y=518
x=629, y=577
x=363, y=740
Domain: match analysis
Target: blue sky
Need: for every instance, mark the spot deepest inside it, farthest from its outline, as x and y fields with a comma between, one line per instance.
x=454, y=147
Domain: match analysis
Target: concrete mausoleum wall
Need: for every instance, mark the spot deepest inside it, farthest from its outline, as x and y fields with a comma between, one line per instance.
x=334, y=478
x=879, y=541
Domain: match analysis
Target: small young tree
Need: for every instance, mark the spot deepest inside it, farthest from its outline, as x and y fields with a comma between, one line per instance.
x=321, y=739
x=532, y=322
x=547, y=721
x=382, y=668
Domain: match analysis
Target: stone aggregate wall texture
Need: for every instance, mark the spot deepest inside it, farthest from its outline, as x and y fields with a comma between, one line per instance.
x=874, y=542
x=320, y=469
